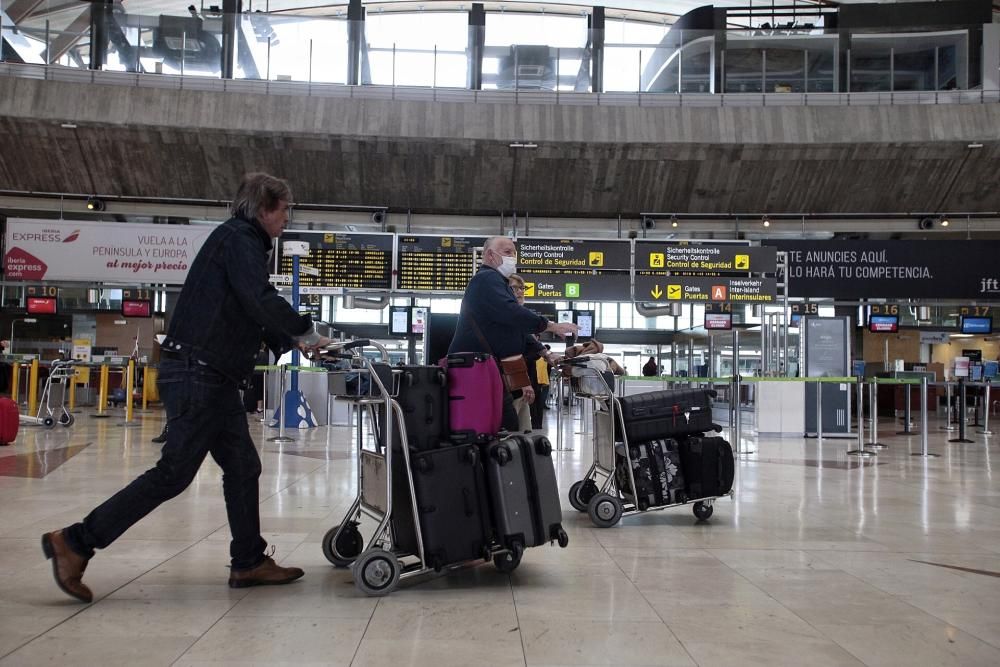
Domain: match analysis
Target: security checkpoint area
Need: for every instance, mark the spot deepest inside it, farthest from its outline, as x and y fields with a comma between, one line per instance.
x=647, y=333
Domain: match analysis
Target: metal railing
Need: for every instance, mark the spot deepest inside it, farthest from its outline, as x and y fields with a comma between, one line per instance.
x=421, y=94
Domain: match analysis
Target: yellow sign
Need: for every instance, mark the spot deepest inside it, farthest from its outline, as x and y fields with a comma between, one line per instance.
x=674, y=291
x=656, y=292
x=529, y=290
x=595, y=258
x=743, y=262
x=657, y=260
x=329, y=238
x=446, y=242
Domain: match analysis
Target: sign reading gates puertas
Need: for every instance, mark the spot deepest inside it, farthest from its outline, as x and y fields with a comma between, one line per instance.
x=893, y=269
x=575, y=270
x=704, y=272
x=101, y=251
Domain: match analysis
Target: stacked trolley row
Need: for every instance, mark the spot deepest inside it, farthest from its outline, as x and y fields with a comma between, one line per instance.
x=386, y=503
x=608, y=491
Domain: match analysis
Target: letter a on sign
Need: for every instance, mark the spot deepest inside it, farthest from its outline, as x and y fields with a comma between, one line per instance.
x=718, y=293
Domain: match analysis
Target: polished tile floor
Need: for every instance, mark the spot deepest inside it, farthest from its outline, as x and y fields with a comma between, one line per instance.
x=817, y=560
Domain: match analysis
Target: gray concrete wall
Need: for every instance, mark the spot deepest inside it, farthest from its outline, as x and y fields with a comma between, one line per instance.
x=455, y=157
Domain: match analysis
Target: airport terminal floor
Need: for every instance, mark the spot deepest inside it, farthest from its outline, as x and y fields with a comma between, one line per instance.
x=818, y=559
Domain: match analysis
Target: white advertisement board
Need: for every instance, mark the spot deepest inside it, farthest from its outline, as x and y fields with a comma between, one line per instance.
x=112, y=252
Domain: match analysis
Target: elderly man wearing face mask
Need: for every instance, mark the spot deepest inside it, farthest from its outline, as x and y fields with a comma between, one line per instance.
x=491, y=319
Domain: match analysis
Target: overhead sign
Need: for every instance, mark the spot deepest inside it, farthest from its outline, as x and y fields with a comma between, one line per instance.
x=110, y=252
x=704, y=257
x=701, y=289
x=893, y=269
x=360, y=261
x=436, y=263
x=577, y=285
x=563, y=254
x=575, y=270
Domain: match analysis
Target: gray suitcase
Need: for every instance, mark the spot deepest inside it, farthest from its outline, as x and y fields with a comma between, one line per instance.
x=524, y=494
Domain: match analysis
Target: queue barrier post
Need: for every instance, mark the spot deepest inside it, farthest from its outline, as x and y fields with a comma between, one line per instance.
x=281, y=437
x=873, y=442
x=961, y=413
x=860, y=451
x=33, y=388
x=102, y=393
x=15, y=381
x=923, y=421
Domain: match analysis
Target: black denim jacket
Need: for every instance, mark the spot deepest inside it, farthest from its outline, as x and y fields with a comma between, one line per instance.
x=227, y=306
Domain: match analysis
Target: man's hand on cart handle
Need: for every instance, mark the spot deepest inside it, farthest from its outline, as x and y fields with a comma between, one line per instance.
x=563, y=329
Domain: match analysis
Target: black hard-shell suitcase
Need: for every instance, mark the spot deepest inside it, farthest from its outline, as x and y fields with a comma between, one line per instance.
x=656, y=469
x=709, y=466
x=423, y=396
x=523, y=492
x=665, y=414
x=452, y=504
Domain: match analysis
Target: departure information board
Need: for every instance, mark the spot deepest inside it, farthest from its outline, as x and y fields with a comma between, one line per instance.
x=575, y=270
x=359, y=261
x=436, y=263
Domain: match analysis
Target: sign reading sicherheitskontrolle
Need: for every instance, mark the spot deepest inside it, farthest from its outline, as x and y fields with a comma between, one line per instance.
x=101, y=251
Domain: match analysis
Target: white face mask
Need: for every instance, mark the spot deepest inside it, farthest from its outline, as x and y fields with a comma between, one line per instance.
x=507, y=266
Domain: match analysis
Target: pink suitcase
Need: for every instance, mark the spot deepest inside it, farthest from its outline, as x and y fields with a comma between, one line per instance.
x=475, y=396
x=9, y=420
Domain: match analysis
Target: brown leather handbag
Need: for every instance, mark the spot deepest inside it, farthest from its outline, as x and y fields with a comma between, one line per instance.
x=515, y=372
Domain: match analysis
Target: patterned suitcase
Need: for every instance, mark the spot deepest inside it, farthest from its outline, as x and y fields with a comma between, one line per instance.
x=656, y=469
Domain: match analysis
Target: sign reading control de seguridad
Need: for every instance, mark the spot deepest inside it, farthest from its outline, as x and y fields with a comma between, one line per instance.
x=893, y=269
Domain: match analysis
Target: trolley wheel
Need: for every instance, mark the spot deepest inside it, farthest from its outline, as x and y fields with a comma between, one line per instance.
x=48, y=422
x=702, y=511
x=348, y=547
x=66, y=419
x=604, y=510
x=562, y=538
x=376, y=572
x=508, y=561
x=575, y=494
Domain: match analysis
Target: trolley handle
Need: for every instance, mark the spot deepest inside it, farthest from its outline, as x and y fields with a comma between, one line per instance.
x=345, y=346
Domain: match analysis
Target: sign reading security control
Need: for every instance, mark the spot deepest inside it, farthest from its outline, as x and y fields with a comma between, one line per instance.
x=704, y=258
x=561, y=254
x=705, y=289
x=575, y=270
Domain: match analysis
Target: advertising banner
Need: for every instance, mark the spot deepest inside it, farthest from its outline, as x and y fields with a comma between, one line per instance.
x=110, y=252
x=854, y=270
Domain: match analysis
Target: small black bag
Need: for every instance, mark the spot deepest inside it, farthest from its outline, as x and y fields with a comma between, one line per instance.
x=709, y=466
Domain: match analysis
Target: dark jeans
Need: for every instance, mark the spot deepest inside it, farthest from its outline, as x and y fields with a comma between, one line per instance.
x=205, y=416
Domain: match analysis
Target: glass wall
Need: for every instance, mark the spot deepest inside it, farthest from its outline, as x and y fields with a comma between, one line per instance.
x=538, y=50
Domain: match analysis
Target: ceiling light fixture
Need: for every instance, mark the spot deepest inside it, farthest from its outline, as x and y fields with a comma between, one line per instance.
x=94, y=204
x=674, y=222
x=766, y=221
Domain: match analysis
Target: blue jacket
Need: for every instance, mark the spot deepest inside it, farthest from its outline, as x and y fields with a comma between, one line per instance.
x=227, y=306
x=489, y=301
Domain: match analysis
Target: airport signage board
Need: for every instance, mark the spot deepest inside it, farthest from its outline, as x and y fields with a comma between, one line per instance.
x=704, y=289
x=853, y=270
x=341, y=259
x=565, y=254
x=573, y=270
x=576, y=285
x=674, y=256
x=110, y=252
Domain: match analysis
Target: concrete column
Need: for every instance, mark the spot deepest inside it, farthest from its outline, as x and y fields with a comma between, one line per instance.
x=991, y=56
x=477, y=41
x=100, y=14
x=596, y=21
x=231, y=9
x=355, y=35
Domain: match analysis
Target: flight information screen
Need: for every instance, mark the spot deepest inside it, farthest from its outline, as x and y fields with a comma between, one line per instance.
x=341, y=259
x=436, y=263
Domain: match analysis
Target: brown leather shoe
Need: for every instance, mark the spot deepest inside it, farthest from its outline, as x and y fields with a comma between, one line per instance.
x=67, y=566
x=268, y=573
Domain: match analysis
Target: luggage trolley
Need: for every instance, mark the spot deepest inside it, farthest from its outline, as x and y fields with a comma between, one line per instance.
x=599, y=494
x=61, y=373
x=380, y=563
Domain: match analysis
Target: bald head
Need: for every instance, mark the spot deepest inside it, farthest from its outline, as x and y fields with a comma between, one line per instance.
x=496, y=248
